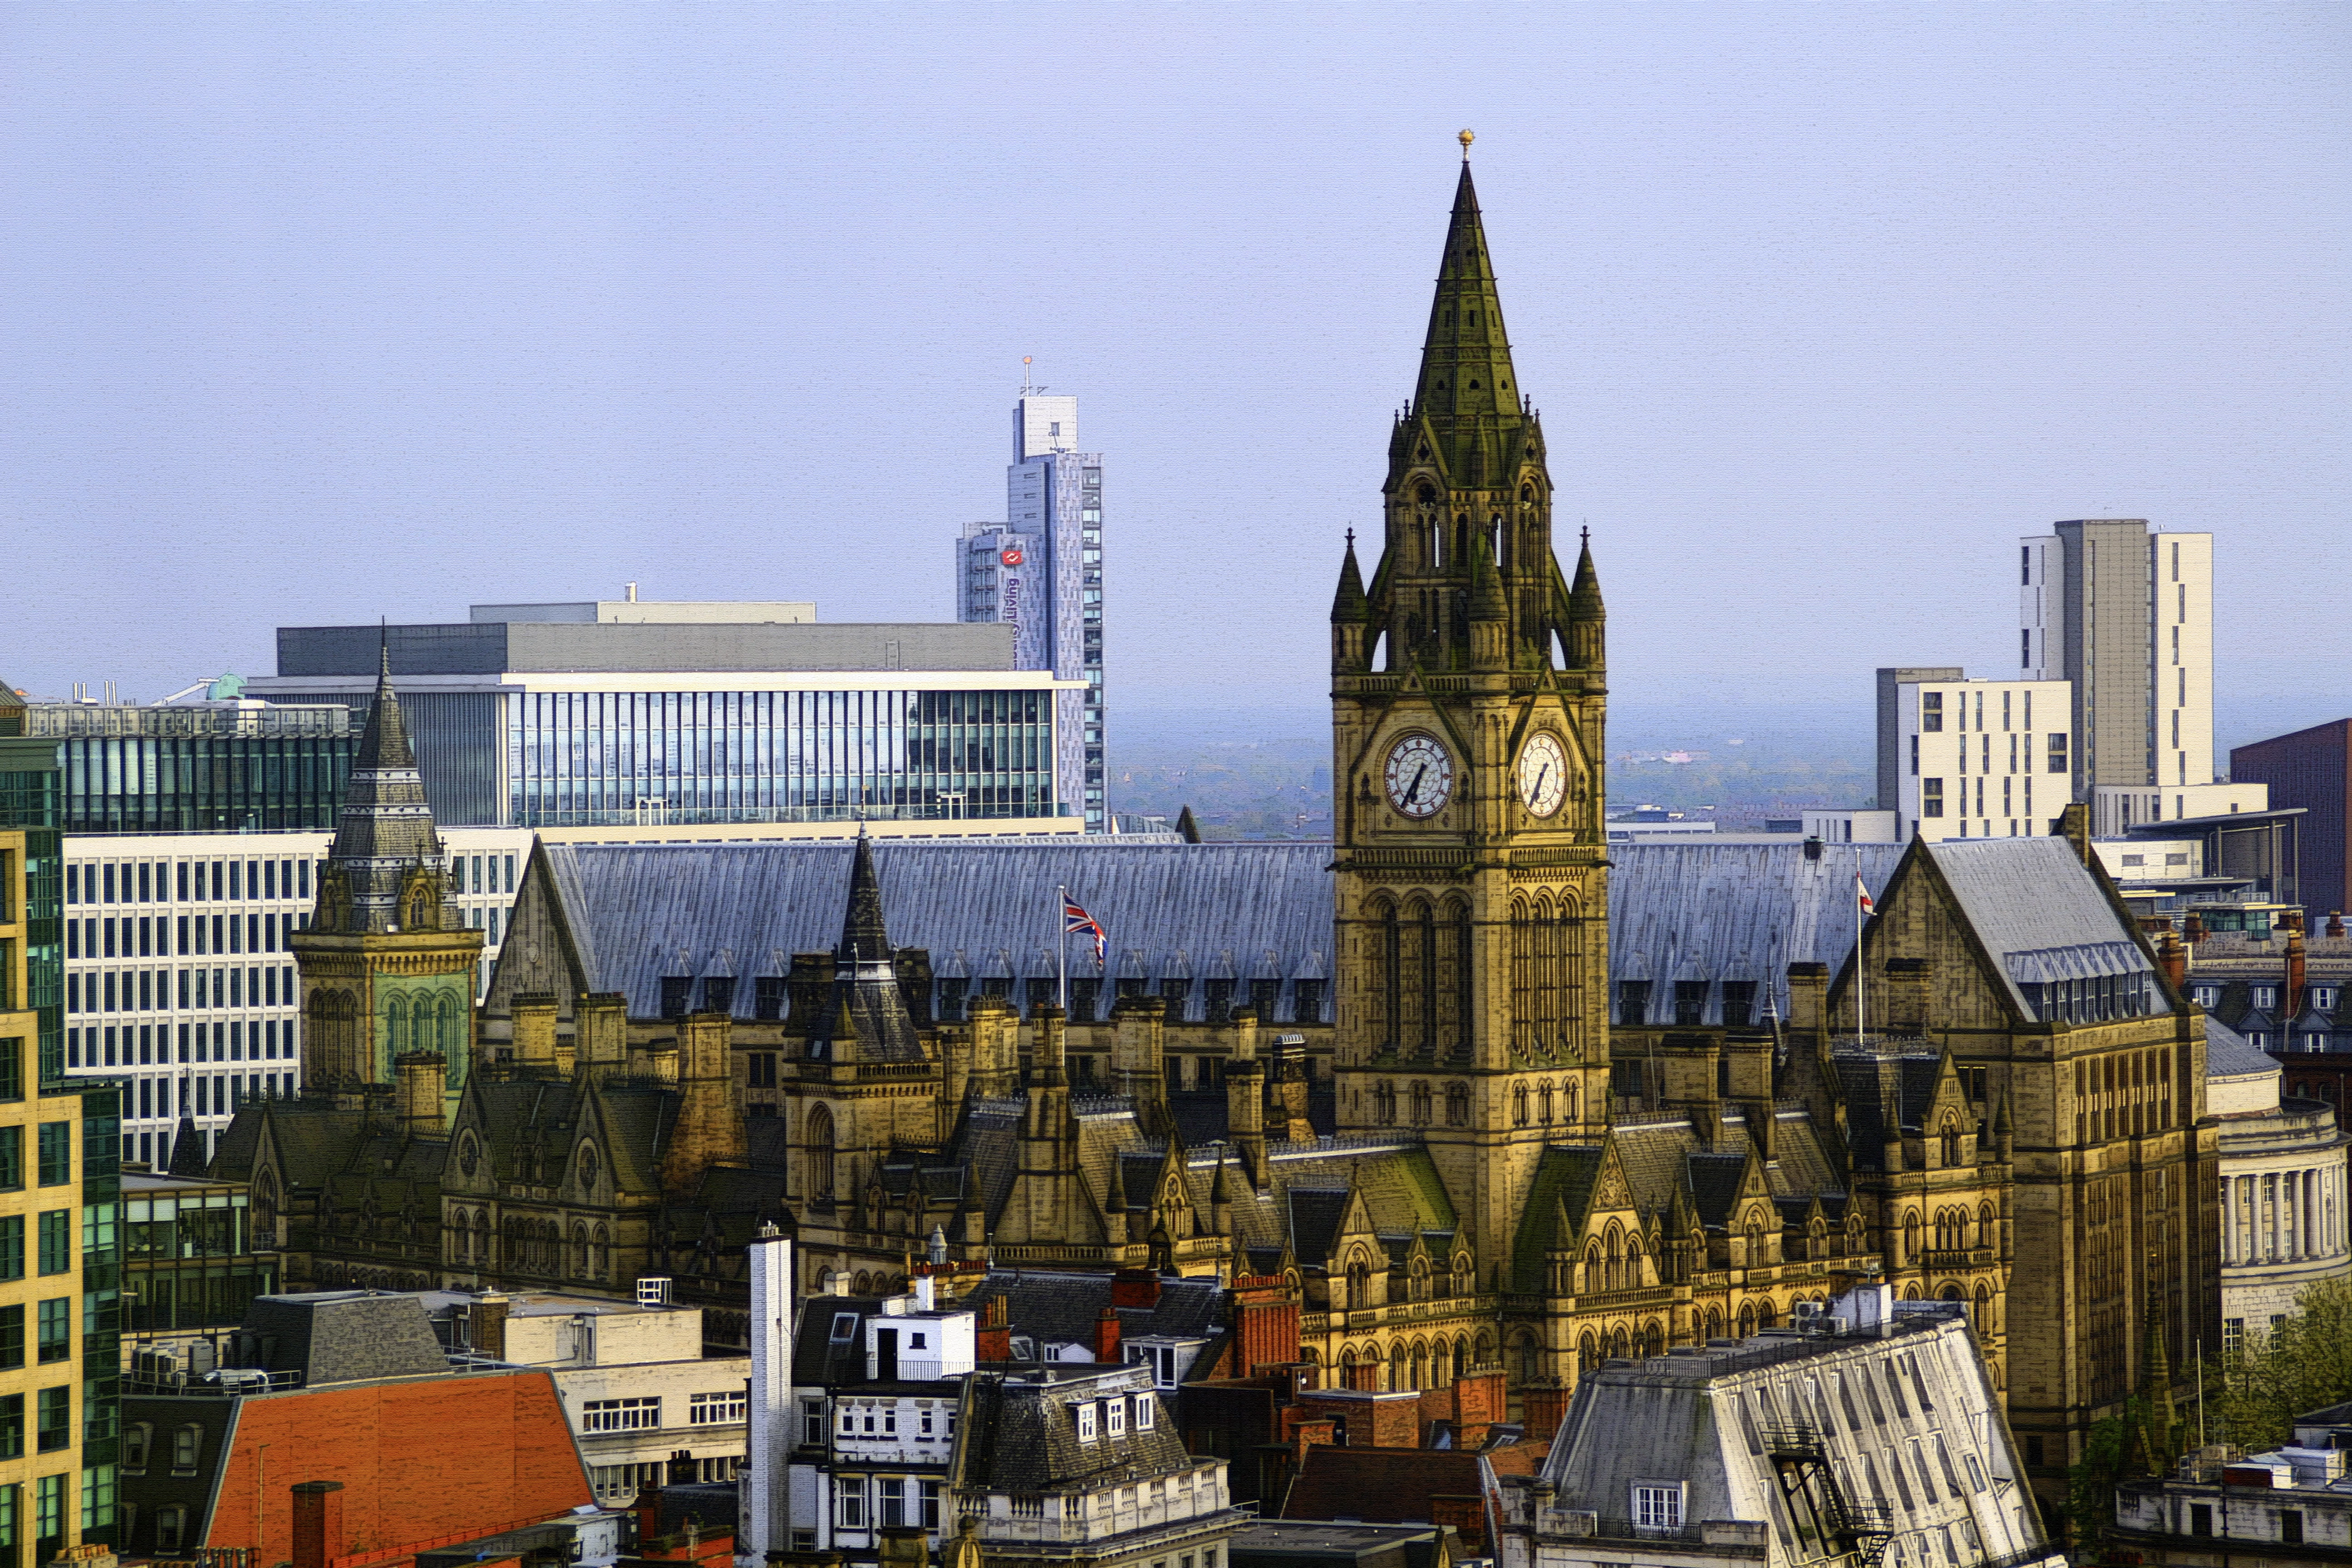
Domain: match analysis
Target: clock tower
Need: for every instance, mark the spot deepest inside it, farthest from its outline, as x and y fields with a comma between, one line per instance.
x=1468, y=692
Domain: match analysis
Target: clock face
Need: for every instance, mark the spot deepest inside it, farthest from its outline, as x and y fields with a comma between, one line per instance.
x=1420, y=777
x=1543, y=773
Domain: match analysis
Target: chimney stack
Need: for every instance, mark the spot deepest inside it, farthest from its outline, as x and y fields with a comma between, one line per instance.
x=423, y=1076
x=2174, y=956
x=1246, y=1103
x=2335, y=922
x=600, y=1031
x=318, y=1523
x=534, y=1031
x=1809, y=986
x=2294, y=971
x=1106, y=1334
x=709, y=1127
x=766, y=1522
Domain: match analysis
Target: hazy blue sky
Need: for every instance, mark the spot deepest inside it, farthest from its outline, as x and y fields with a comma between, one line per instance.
x=322, y=312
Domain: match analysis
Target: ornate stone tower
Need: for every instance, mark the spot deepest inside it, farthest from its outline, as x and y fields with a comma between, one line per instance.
x=387, y=970
x=1467, y=695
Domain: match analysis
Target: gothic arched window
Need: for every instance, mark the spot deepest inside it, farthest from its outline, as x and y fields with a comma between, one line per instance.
x=818, y=1142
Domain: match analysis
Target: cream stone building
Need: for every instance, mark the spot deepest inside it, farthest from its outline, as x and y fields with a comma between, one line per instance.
x=2283, y=1197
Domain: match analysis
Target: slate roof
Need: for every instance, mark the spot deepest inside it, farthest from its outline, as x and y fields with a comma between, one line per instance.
x=343, y=1336
x=2229, y=1054
x=1019, y=1434
x=1064, y=1308
x=1734, y=911
x=1384, y=1485
x=2038, y=909
x=1184, y=907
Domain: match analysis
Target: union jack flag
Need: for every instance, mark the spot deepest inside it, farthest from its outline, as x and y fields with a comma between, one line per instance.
x=1075, y=920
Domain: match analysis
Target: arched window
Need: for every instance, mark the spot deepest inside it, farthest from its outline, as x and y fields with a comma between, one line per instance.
x=1451, y=977
x=1421, y=1105
x=1951, y=1142
x=1611, y=1278
x=1523, y=1033
x=1594, y=1275
x=579, y=1249
x=1457, y=1105
x=1543, y=1104
x=1988, y=1226
x=1402, y=1370
x=1359, y=1284
x=265, y=1209
x=1911, y=1235
x=1527, y=1360
x=1388, y=996
x=602, y=1263
x=1588, y=1352
x=482, y=1238
x=1714, y=1323
x=1575, y=1103
x=1519, y=1106
x=819, y=1143
x=396, y=1029
x=188, y=1446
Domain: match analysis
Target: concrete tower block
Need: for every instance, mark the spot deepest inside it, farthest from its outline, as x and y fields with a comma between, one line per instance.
x=767, y=1523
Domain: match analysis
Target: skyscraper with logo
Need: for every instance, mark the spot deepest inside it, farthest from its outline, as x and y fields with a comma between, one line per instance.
x=1041, y=570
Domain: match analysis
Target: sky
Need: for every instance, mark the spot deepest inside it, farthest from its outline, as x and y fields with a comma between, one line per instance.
x=317, y=314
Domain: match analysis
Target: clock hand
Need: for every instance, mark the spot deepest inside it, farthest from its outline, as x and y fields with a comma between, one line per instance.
x=1413, y=794
x=1542, y=774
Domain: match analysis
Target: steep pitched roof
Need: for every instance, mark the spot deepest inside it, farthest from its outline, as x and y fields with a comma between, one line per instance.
x=1019, y=1434
x=2038, y=911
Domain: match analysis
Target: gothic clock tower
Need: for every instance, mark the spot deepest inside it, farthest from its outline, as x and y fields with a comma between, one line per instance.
x=1467, y=693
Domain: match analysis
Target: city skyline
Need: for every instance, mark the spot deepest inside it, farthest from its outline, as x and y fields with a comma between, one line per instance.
x=1810, y=292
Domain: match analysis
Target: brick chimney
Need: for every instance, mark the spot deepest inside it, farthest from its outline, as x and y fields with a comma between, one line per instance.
x=318, y=1523
x=994, y=1333
x=1106, y=1334
x=1135, y=1288
x=2074, y=827
x=709, y=1127
x=600, y=1031
x=534, y=1030
x=2335, y=922
x=2192, y=928
x=2174, y=956
x=2295, y=973
x=423, y=1075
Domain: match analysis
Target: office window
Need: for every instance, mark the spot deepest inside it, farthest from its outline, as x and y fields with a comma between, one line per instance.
x=621, y=1415
x=57, y=1154
x=715, y=1409
x=1931, y=797
x=2057, y=751
x=12, y=1427
x=12, y=1336
x=57, y=1241
x=54, y=1421
x=1931, y=711
x=12, y=1246
x=56, y=1328
x=12, y=1157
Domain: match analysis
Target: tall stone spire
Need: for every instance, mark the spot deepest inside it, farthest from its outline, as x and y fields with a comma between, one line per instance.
x=384, y=831
x=1465, y=359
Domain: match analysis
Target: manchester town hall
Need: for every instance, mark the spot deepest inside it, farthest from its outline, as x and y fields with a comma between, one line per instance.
x=1473, y=1087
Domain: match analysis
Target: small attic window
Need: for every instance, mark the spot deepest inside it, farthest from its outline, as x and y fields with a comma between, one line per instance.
x=844, y=1327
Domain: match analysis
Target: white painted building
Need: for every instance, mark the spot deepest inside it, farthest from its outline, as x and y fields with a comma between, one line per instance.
x=636, y=1386
x=178, y=980
x=1977, y=759
x=2117, y=809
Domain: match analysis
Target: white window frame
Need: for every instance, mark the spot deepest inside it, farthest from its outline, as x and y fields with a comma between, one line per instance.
x=723, y=1408
x=634, y=1415
x=1085, y=1414
x=1146, y=1412
x=1658, y=1505
x=850, y=1502
x=1115, y=1418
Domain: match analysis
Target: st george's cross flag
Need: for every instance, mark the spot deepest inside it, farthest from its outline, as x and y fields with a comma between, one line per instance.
x=1862, y=895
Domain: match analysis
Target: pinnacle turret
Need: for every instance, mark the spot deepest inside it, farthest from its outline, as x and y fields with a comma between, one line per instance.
x=1347, y=605
x=865, y=944
x=384, y=832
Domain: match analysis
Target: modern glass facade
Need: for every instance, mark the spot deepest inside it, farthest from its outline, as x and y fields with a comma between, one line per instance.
x=203, y=783
x=188, y=1254
x=614, y=758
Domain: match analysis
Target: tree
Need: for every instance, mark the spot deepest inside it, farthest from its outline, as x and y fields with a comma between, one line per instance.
x=2303, y=1364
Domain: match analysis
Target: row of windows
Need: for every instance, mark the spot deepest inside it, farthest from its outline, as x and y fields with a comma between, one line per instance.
x=1108, y=1417
x=1690, y=997
x=1932, y=711
x=54, y=1241
x=53, y=1160
x=893, y=1502
x=2054, y=755
x=187, y=881
x=52, y=1427
x=770, y=996
x=148, y=1043
x=151, y=989
x=879, y=1421
x=153, y=936
x=2014, y=801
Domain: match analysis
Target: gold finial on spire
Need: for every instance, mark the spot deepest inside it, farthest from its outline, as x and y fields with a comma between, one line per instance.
x=1466, y=139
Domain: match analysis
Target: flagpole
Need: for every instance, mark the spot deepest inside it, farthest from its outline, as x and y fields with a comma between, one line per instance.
x=1861, y=968
x=1062, y=945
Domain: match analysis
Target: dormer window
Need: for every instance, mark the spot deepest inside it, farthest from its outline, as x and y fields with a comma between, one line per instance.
x=2324, y=998
x=1086, y=1423
x=1145, y=1408
x=1115, y=1416
x=2266, y=996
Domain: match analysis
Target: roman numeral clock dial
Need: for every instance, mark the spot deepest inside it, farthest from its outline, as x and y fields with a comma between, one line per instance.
x=1419, y=776
x=1543, y=773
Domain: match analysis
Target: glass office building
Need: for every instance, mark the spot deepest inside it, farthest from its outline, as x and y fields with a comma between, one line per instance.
x=597, y=727
x=224, y=768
